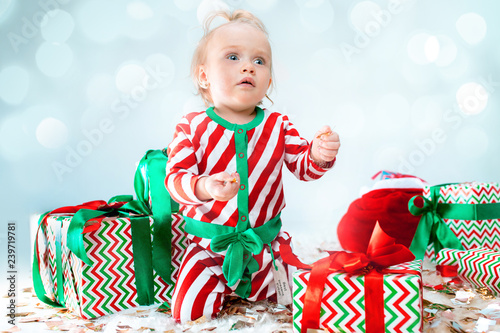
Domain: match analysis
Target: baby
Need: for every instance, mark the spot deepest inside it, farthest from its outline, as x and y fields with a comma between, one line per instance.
x=225, y=170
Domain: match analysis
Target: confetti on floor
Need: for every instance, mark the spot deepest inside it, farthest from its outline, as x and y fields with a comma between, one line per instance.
x=450, y=305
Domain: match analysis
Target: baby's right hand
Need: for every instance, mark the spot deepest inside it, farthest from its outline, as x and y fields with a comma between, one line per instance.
x=222, y=186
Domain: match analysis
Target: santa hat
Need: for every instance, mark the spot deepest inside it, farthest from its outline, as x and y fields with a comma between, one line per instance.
x=387, y=203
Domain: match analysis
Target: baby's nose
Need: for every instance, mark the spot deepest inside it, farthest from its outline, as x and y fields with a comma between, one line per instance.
x=247, y=68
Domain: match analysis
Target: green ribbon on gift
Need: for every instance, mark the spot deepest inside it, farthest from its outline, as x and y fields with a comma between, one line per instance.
x=37, y=279
x=239, y=264
x=147, y=254
x=432, y=228
x=141, y=241
x=149, y=185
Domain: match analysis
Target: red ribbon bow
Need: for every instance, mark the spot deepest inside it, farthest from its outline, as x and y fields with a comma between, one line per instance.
x=382, y=252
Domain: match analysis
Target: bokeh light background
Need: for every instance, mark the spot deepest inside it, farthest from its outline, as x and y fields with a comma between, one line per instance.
x=87, y=87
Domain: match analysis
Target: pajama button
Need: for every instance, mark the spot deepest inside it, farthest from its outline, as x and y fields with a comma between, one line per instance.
x=243, y=218
x=242, y=187
x=241, y=155
x=245, y=256
x=240, y=130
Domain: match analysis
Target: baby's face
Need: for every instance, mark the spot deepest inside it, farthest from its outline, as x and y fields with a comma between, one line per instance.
x=237, y=67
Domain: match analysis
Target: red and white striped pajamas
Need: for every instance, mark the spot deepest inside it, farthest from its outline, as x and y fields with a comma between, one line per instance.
x=205, y=144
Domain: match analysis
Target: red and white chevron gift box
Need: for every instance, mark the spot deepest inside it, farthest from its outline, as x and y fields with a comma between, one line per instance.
x=471, y=233
x=343, y=300
x=479, y=267
x=109, y=285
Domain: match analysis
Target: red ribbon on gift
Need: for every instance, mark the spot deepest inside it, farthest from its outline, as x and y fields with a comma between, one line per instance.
x=90, y=205
x=382, y=252
x=447, y=271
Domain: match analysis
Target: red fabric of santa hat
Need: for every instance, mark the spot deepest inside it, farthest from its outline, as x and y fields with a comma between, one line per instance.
x=387, y=203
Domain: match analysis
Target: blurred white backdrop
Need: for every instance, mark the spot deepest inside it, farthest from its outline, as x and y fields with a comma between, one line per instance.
x=86, y=87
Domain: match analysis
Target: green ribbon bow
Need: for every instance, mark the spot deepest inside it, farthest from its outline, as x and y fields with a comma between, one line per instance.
x=239, y=246
x=82, y=216
x=432, y=228
x=239, y=264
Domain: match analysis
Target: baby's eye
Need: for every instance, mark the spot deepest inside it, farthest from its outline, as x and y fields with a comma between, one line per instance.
x=232, y=57
x=259, y=61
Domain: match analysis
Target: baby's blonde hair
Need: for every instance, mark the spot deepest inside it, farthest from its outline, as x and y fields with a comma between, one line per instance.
x=199, y=56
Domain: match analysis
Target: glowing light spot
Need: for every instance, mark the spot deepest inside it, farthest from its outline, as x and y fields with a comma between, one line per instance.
x=139, y=10
x=471, y=27
x=471, y=142
x=417, y=75
x=57, y=26
x=447, y=51
x=472, y=98
x=51, y=133
x=419, y=48
x=317, y=16
x=160, y=68
x=14, y=84
x=130, y=76
x=362, y=14
x=207, y=7
x=54, y=59
x=431, y=48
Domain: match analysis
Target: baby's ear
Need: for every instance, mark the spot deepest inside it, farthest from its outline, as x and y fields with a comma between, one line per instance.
x=202, y=77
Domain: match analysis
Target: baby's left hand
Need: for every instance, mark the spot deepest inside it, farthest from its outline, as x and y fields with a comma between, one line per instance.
x=325, y=145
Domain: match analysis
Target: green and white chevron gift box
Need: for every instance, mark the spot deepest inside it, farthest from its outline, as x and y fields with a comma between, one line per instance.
x=120, y=274
x=479, y=267
x=472, y=232
x=343, y=301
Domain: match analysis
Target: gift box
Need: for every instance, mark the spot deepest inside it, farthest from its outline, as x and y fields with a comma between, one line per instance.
x=376, y=291
x=102, y=257
x=479, y=267
x=117, y=271
x=460, y=216
x=343, y=303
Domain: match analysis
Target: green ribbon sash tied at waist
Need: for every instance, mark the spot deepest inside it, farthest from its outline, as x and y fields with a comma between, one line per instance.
x=239, y=264
x=433, y=229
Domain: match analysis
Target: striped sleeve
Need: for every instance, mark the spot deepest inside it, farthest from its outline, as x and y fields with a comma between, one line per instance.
x=182, y=167
x=298, y=155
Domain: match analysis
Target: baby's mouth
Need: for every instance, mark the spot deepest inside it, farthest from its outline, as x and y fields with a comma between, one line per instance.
x=247, y=81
